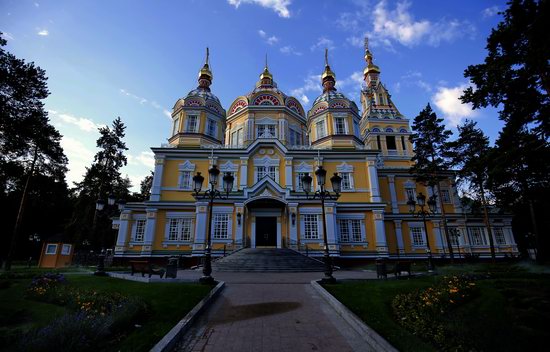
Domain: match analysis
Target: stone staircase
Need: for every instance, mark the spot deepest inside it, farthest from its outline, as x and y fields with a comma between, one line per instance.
x=267, y=260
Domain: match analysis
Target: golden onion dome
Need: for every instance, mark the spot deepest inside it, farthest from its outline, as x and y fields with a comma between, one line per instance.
x=266, y=74
x=205, y=72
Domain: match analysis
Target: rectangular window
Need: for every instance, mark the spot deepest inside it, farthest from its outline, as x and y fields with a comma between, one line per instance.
x=390, y=143
x=477, y=236
x=51, y=249
x=191, y=123
x=410, y=193
x=179, y=230
x=234, y=140
x=403, y=145
x=291, y=137
x=499, y=235
x=240, y=137
x=445, y=196
x=140, y=230
x=346, y=181
x=311, y=227
x=176, y=126
x=221, y=223
x=350, y=230
x=66, y=249
x=340, y=125
x=263, y=171
x=211, y=131
x=266, y=131
x=417, y=236
x=452, y=236
x=235, y=181
x=321, y=131
x=378, y=143
x=186, y=179
x=299, y=176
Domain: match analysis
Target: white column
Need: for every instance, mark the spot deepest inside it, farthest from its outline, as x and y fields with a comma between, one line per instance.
x=239, y=233
x=149, y=236
x=293, y=228
x=282, y=129
x=330, y=217
x=380, y=232
x=253, y=232
x=279, y=232
x=399, y=236
x=373, y=179
x=122, y=236
x=249, y=129
x=200, y=227
x=288, y=173
x=393, y=194
x=437, y=234
x=157, y=179
x=244, y=172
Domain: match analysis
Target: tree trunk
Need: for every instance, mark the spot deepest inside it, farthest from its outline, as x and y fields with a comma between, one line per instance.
x=487, y=223
x=535, y=230
x=445, y=227
x=20, y=212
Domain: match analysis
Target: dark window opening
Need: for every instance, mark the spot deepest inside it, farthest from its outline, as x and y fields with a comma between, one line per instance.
x=390, y=143
x=378, y=142
x=403, y=145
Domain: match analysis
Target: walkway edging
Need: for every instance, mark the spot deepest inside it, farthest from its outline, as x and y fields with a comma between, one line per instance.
x=169, y=341
x=367, y=333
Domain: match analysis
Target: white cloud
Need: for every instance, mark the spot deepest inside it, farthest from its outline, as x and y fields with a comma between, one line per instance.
x=322, y=43
x=142, y=101
x=356, y=41
x=289, y=50
x=82, y=123
x=312, y=84
x=268, y=39
x=279, y=6
x=262, y=33
x=43, y=32
x=490, y=11
x=8, y=36
x=355, y=80
x=79, y=157
x=399, y=24
x=447, y=100
x=272, y=40
x=36, y=4
x=414, y=78
x=143, y=158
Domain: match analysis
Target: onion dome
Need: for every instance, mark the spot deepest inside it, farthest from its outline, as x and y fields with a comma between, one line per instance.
x=328, y=78
x=266, y=83
x=205, y=80
x=371, y=68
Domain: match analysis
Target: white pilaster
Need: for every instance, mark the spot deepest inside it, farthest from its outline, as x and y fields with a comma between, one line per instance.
x=380, y=231
x=200, y=227
x=149, y=235
x=239, y=233
x=288, y=173
x=122, y=236
x=292, y=228
x=244, y=172
x=157, y=179
x=438, y=236
x=330, y=216
x=373, y=180
x=393, y=194
x=399, y=236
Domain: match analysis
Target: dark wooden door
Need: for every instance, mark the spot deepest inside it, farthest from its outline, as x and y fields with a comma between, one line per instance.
x=266, y=231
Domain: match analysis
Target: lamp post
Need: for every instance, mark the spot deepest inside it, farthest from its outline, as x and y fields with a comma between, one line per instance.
x=211, y=194
x=110, y=207
x=323, y=194
x=423, y=213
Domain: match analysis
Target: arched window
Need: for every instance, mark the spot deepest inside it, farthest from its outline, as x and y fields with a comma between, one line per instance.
x=390, y=130
x=375, y=130
x=403, y=130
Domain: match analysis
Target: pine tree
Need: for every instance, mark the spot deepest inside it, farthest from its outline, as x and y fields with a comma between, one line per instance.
x=146, y=185
x=101, y=179
x=29, y=145
x=429, y=139
x=471, y=153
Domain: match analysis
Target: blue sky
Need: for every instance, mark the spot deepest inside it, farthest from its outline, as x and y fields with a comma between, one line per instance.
x=134, y=59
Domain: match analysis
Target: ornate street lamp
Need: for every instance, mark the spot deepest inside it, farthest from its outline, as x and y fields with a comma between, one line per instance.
x=423, y=213
x=323, y=194
x=211, y=194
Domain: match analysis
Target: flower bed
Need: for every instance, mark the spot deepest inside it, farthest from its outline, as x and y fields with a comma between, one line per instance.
x=94, y=317
x=426, y=312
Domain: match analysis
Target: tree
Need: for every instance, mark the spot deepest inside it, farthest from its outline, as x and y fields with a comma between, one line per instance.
x=101, y=179
x=515, y=77
x=471, y=153
x=29, y=145
x=146, y=185
x=429, y=139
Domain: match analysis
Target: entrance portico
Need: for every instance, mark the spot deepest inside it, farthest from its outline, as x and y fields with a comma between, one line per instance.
x=266, y=216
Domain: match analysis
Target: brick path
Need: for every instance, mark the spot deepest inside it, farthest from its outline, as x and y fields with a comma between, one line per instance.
x=272, y=312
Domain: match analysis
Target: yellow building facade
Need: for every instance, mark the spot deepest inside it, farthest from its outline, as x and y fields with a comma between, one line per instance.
x=267, y=142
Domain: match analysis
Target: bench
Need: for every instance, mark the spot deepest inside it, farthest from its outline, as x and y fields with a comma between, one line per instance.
x=398, y=267
x=144, y=267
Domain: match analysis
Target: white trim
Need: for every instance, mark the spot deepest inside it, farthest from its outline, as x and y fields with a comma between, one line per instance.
x=229, y=166
x=49, y=245
x=303, y=167
x=266, y=161
x=66, y=252
x=344, y=167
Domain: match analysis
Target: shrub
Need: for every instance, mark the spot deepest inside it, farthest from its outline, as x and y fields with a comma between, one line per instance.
x=41, y=284
x=71, y=332
x=423, y=311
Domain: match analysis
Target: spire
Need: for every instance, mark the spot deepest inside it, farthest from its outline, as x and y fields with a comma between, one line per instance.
x=368, y=58
x=328, y=78
x=205, y=75
x=266, y=75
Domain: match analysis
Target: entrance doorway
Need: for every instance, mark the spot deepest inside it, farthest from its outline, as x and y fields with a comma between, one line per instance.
x=266, y=231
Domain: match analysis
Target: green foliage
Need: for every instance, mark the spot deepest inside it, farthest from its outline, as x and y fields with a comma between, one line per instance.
x=422, y=311
x=429, y=139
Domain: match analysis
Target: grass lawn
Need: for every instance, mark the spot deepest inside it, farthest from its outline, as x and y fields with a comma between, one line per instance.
x=168, y=303
x=510, y=313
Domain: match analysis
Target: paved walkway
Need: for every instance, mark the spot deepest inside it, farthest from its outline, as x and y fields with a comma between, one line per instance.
x=272, y=312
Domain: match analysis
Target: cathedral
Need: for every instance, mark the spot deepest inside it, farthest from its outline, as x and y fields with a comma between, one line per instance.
x=266, y=143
